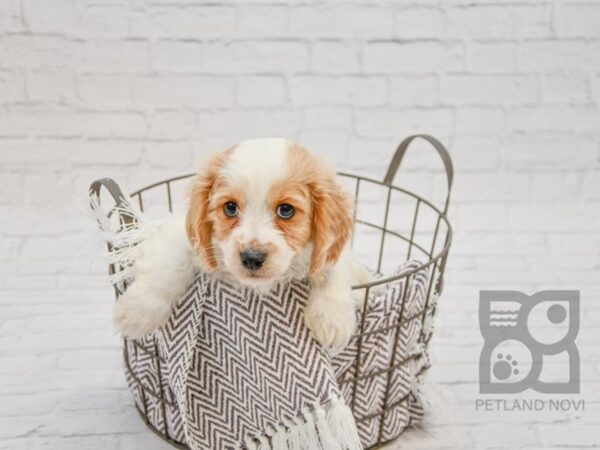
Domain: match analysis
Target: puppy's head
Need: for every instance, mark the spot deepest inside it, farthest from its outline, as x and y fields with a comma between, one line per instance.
x=258, y=209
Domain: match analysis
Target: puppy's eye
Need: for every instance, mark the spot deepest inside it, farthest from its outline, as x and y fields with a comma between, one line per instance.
x=230, y=209
x=285, y=211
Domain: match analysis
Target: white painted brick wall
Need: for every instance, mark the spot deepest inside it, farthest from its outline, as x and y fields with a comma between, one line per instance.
x=141, y=90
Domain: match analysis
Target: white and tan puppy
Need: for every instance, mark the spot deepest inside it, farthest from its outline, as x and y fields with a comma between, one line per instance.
x=265, y=211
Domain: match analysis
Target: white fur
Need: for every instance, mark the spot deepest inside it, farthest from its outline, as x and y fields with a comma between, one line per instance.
x=165, y=268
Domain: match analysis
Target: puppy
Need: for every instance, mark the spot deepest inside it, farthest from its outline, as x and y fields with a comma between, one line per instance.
x=265, y=211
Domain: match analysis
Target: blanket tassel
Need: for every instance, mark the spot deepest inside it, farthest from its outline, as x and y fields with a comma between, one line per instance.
x=328, y=442
x=309, y=436
x=342, y=425
x=264, y=443
x=279, y=439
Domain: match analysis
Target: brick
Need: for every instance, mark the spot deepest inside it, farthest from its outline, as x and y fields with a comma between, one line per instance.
x=553, y=55
x=556, y=187
x=414, y=90
x=491, y=57
x=63, y=123
x=332, y=145
x=483, y=217
x=596, y=88
x=578, y=20
x=106, y=90
x=334, y=57
x=10, y=16
x=256, y=57
x=537, y=217
x=261, y=21
x=420, y=22
x=183, y=90
x=499, y=21
x=539, y=153
x=495, y=187
x=476, y=153
x=15, y=153
x=565, y=88
x=466, y=89
x=25, y=222
x=555, y=118
x=370, y=155
x=396, y=124
x=327, y=118
x=170, y=154
x=240, y=125
x=52, y=86
x=591, y=185
x=46, y=17
x=189, y=21
x=172, y=124
x=10, y=188
x=481, y=120
x=12, y=86
x=177, y=56
x=101, y=55
x=341, y=20
x=318, y=90
x=403, y=57
x=71, y=18
x=572, y=244
x=36, y=192
x=102, y=154
x=501, y=243
x=261, y=91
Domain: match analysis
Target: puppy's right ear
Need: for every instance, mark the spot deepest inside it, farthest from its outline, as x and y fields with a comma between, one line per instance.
x=199, y=225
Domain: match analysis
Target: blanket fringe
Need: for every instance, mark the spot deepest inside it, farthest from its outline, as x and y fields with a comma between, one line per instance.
x=328, y=442
x=122, y=240
x=324, y=428
x=342, y=425
x=264, y=443
x=279, y=439
x=309, y=436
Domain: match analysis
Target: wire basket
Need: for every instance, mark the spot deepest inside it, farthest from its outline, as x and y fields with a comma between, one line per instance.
x=409, y=228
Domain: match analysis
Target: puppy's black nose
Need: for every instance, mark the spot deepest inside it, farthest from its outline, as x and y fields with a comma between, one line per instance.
x=253, y=259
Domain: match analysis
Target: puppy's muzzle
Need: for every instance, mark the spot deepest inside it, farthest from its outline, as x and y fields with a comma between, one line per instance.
x=253, y=259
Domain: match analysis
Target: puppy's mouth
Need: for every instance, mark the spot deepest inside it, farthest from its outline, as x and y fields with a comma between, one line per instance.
x=255, y=276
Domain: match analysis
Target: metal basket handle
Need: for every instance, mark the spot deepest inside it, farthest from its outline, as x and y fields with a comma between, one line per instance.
x=401, y=150
x=115, y=192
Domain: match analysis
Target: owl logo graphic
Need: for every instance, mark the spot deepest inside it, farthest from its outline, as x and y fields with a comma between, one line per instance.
x=529, y=342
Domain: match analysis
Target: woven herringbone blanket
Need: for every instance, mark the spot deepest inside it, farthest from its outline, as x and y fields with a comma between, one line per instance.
x=245, y=371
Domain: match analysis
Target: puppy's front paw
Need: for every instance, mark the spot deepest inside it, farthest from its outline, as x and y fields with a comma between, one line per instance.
x=137, y=316
x=331, y=320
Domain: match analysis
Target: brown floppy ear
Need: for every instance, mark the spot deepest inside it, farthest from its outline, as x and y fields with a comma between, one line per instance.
x=198, y=224
x=331, y=224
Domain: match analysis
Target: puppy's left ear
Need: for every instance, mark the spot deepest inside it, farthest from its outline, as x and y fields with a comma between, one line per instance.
x=331, y=225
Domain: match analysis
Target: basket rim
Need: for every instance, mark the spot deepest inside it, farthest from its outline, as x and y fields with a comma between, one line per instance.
x=433, y=259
